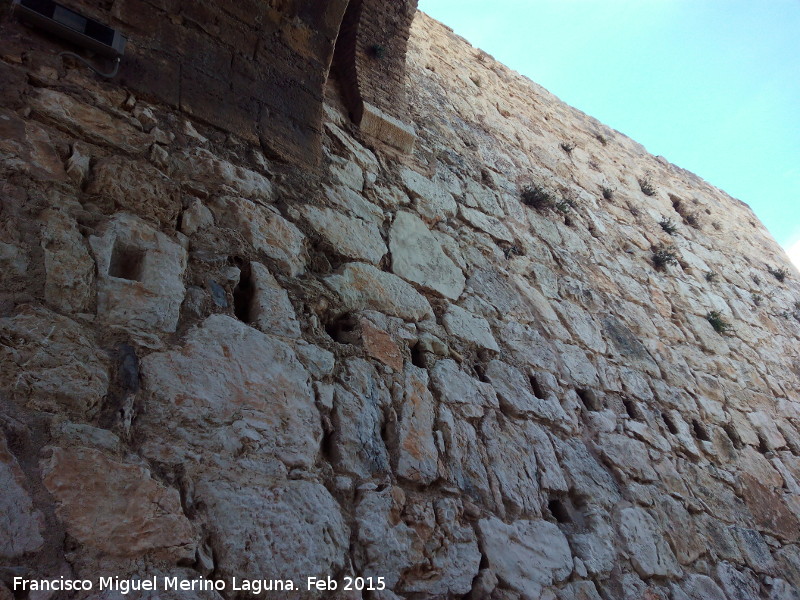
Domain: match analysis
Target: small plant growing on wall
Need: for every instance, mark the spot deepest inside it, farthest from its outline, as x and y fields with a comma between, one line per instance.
x=608, y=193
x=663, y=256
x=757, y=299
x=779, y=274
x=711, y=277
x=720, y=325
x=692, y=220
x=379, y=51
x=536, y=197
x=646, y=185
x=567, y=147
x=601, y=138
x=668, y=225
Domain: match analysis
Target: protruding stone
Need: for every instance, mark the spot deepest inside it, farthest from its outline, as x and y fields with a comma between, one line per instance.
x=363, y=286
x=22, y=525
x=139, y=275
x=116, y=507
x=418, y=257
x=469, y=327
x=415, y=454
x=69, y=269
x=350, y=237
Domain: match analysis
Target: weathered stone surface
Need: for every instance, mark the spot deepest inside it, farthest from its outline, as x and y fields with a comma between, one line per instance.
x=487, y=223
x=50, y=363
x=737, y=584
x=701, y=587
x=418, y=257
x=265, y=230
x=584, y=474
x=22, y=525
x=457, y=388
x=363, y=286
x=26, y=147
x=68, y=266
x=644, y=539
x=350, y=237
x=228, y=388
x=464, y=458
x=628, y=455
x=273, y=530
x=526, y=556
x=432, y=200
x=214, y=175
x=271, y=311
x=415, y=453
x=139, y=275
x=119, y=179
x=86, y=121
x=469, y=327
x=116, y=507
x=196, y=217
x=380, y=345
x=385, y=542
x=516, y=397
x=359, y=404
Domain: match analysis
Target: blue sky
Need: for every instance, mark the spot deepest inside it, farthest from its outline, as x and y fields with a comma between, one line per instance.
x=712, y=85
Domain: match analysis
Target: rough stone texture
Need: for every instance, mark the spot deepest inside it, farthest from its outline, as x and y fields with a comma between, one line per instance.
x=363, y=286
x=231, y=388
x=282, y=529
x=21, y=525
x=418, y=257
x=114, y=507
x=50, y=363
x=139, y=275
x=526, y=556
x=386, y=364
x=352, y=238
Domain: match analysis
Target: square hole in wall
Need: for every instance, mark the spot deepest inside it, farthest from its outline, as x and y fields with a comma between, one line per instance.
x=126, y=262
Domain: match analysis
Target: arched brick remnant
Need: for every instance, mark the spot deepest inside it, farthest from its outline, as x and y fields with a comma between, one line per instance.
x=370, y=63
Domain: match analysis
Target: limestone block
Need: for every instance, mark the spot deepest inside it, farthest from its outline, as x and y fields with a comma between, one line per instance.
x=274, y=529
x=26, y=147
x=385, y=545
x=486, y=223
x=579, y=590
x=469, y=327
x=701, y=587
x=512, y=463
x=271, y=311
x=414, y=452
x=452, y=558
x=265, y=230
x=767, y=430
x=737, y=584
x=526, y=556
x=116, y=507
x=139, y=275
x=50, y=363
x=357, y=447
x=644, y=539
x=584, y=474
x=138, y=187
x=22, y=525
x=205, y=171
x=88, y=122
x=627, y=454
x=453, y=386
x=362, y=286
x=433, y=201
x=386, y=128
x=14, y=260
x=418, y=257
x=515, y=395
x=350, y=237
x=69, y=269
x=196, y=218
x=380, y=345
x=354, y=203
x=347, y=173
x=464, y=458
x=228, y=387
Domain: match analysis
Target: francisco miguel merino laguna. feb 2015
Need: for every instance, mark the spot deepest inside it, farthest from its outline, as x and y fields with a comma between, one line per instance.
x=254, y=586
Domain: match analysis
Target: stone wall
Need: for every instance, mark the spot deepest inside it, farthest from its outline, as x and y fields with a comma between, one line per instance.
x=215, y=364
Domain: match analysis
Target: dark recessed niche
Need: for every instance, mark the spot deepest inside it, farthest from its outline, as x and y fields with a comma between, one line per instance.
x=127, y=262
x=670, y=423
x=559, y=511
x=590, y=400
x=632, y=409
x=700, y=432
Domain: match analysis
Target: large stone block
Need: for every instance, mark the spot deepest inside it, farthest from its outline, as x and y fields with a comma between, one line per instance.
x=139, y=275
x=116, y=507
